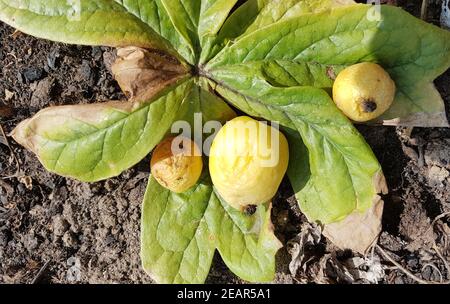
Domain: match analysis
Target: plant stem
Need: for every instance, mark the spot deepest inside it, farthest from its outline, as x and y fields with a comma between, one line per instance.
x=424, y=10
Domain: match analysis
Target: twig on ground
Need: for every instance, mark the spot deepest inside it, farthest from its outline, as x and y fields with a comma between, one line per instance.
x=436, y=249
x=406, y=271
x=40, y=273
x=437, y=218
x=444, y=260
x=435, y=268
x=400, y=267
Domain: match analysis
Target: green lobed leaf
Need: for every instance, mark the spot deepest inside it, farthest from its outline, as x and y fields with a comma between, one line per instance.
x=256, y=14
x=412, y=51
x=343, y=169
x=284, y=73
x=212, y=16
x=176, y=246
x=89, y=22
x=180, y=232
x=246, y=243
x=156, y=15
x=184, y=16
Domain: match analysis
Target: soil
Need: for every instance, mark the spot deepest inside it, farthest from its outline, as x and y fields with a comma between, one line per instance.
x=59, y=230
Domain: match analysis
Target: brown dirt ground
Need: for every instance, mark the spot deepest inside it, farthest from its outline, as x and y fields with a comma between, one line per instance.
x=49, y=220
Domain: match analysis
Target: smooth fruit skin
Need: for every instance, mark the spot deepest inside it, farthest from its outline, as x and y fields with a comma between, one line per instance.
x=176, y=170
x=242, y=172
x=363, y=91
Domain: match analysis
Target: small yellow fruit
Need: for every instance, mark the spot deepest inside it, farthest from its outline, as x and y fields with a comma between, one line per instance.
x=176, y=165
x=247, y=162
x=363, y=91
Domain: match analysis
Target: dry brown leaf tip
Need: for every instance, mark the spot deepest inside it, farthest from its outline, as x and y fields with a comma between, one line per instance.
x=142, y=73
x=359, y=231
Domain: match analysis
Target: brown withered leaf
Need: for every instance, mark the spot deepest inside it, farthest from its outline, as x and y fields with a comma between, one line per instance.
x=310, y=235
x=142, y=73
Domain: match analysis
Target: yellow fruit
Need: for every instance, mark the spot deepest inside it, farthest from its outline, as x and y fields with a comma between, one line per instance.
x=176, y=167
x=247, y=162
x=363, y=91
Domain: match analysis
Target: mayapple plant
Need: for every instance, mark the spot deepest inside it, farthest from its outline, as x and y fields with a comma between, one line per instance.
x=274, y=60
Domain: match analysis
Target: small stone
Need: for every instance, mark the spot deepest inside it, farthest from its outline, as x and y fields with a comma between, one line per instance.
x=437, y=175
x=410, y=152
x=20, y=188
x=445, y=14
x=430, y=274
x=27, y=181
x=37, y=211
x=32, y=74
x=8, y=95
x=52, y=59
x=42, y=92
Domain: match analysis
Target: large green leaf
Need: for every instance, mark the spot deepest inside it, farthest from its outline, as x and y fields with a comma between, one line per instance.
x=212, y=16
x=256, y=14
x=180, y=232
x=161, y=18
x=413, y=52
x=97, y=141
x=90, y=22
x=176, y=246
x=246, y=243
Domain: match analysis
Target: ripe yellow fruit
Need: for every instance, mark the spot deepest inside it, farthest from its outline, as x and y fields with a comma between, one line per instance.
x=247, y=162
x=363, y=91
x=176, y=165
